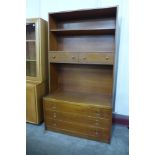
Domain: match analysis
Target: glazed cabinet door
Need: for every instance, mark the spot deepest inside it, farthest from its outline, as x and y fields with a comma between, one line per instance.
x=32, y=49
x=31, y=103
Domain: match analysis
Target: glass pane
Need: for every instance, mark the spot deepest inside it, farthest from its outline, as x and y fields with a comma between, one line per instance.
x=30, y=50
x=30, y=31
x=31, y=68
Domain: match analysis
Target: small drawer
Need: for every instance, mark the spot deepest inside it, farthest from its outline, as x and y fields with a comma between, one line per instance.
x=81, y=109
x=63, y=57
x=96, y=58
x=80, y=119
x=77, y=128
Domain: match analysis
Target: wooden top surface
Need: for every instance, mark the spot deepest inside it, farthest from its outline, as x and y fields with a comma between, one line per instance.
x=96, y=99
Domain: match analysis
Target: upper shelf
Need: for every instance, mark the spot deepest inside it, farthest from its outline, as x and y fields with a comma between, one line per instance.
x=87, y=13
x=83, y=31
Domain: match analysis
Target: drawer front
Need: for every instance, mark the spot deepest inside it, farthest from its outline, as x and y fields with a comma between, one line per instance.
x=96, y=58
x=70, y=117
x=63, y=57
x=76, y=128
x=88, y=110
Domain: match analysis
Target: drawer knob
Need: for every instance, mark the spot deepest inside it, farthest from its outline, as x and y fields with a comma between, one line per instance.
x=97, y=123
x=53, y=107
x=73, y=57
x=107, y=58
x=54, y=115
x=96, y=132
x=84, y=58
x=97, y=114
x=53, y=57
x=54, y=124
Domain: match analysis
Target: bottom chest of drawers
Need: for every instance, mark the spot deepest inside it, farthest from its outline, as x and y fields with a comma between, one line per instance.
x=89, y=132
x=78, y=122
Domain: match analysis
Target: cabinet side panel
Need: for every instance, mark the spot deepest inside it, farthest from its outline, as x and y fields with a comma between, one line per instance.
x=43, y=50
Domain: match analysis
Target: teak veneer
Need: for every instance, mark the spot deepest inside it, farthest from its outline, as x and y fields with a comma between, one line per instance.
x=81, y=60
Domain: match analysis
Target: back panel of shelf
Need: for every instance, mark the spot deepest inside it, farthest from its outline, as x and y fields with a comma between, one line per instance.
x=82, y=43
x=81, y=78
x=95, y=18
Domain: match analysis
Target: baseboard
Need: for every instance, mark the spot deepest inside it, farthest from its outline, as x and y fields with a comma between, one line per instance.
x=120, y=119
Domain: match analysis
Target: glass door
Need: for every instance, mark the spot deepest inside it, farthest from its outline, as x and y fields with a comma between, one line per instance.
x=31, y=60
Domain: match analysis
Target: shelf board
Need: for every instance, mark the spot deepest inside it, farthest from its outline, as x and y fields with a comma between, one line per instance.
x=85, y=13
x=30, y=60
x=98, y=99
x=30, y=40
x=83, y=31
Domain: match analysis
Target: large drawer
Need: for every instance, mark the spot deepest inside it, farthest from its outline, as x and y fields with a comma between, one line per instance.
x=96, y=58
x=98, y=133
x=82, y=109
x=63, y=57
x=81, y=119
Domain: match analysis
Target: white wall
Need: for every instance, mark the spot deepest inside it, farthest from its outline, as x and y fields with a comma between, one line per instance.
x=40, y=8
x=32, y=8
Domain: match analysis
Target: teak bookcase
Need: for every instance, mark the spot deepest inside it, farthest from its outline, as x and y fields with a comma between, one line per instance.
x=36, y=68
x=81, y=60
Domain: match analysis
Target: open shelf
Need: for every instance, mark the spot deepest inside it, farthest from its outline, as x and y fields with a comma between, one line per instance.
x=81, y=97
x=83, y=31
x=85, y=14
x=82, y=42
x=85, y=78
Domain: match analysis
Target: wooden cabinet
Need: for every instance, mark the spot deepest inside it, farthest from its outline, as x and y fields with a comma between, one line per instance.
x=36, y=68
x=81, y=60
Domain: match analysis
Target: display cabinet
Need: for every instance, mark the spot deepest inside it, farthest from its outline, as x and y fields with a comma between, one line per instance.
x=36, y=68
x=81, y=56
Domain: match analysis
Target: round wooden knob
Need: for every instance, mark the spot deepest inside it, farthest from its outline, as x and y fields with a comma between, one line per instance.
x=107, y=58
x=54, y=124
x=97, y=114
x=53, y=107
x=97, y=123
x=73, y=57
x=53, y=57
x=84, y=58
x=54, y=115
